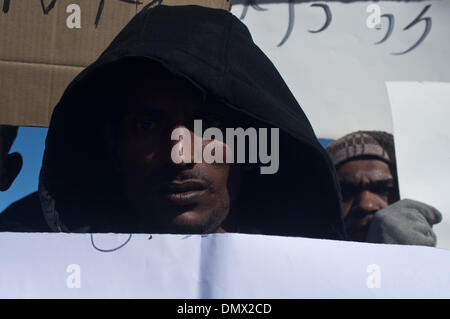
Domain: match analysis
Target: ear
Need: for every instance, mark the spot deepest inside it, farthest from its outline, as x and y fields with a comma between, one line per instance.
x=12, y=166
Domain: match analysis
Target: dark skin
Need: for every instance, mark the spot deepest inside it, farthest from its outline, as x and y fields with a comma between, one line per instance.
x=188, y=198
x=10, y=164
x=367, y=186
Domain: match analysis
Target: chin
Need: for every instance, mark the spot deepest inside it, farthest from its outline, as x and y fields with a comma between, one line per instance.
x=190, y=222
x=359, y=236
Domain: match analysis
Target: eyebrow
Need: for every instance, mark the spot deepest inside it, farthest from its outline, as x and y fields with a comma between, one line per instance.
x=143, y=109
x=382, y=182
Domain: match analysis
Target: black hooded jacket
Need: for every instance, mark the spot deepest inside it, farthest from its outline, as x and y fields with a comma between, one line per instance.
x=214, y=51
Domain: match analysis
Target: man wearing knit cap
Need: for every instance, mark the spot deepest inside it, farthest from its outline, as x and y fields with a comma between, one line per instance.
x=372, y=212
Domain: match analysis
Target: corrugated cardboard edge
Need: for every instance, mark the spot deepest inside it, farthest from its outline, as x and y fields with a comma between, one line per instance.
x=32, y=86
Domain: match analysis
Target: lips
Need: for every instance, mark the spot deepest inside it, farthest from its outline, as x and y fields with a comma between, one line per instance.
x=184, y=192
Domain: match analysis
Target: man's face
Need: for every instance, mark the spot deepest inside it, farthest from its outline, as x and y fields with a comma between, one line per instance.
x=175, y=198
x=367, y=186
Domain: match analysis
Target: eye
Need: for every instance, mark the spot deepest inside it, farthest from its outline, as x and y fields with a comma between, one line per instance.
x=146, y=124
x=348, y=191
x=212, y=122
x=212, y=118
x=216, y=123
x=385, y=191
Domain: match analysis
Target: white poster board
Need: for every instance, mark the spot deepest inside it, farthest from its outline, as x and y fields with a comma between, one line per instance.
x=338, y=74
x=421, y=114
x=215, y=266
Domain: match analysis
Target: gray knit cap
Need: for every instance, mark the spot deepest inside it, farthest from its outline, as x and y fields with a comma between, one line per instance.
x=355, y=145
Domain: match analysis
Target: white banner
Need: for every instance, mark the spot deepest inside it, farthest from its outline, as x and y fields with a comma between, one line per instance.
x=215, y=266
x=421, y=114
x=328, y=56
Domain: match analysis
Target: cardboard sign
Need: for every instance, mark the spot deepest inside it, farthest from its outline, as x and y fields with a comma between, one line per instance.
x=45, y=44
x=215, y=266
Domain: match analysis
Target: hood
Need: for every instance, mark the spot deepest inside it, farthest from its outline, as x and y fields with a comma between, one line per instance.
x=215, y=51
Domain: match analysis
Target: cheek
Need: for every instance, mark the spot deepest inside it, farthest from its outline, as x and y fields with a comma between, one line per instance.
x=215, y=151
x=219, y=191
x=137, y=159
x=220, y=174
x=346, y=208
x=384, y=201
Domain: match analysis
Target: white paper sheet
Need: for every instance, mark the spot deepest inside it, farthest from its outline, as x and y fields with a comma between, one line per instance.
x=338, y=75
x=421, y=114
x=216, y=266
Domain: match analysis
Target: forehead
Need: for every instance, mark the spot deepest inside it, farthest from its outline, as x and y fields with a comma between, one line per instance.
x=364, y=170
x=157, y=88
x=148, y=87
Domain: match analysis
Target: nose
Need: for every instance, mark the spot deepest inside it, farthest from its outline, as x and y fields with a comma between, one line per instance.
x=185, y=146
x=370, y=203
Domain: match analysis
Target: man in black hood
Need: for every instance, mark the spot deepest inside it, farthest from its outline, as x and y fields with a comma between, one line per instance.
x=109, y=166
